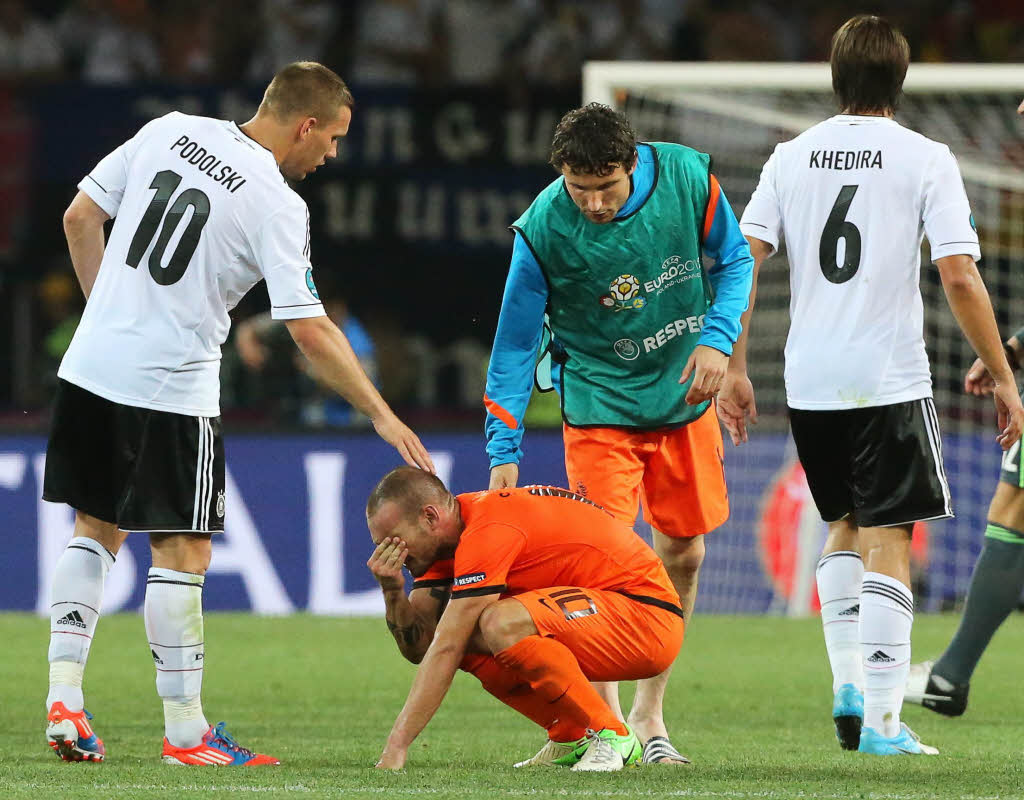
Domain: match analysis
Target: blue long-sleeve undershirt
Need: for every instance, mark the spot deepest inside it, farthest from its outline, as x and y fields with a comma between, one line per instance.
x=520, y=323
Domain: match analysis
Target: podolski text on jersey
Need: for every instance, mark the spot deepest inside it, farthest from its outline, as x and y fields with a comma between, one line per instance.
x=205, y=161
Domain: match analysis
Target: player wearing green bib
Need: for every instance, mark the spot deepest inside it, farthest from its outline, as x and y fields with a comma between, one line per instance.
x=641, y=332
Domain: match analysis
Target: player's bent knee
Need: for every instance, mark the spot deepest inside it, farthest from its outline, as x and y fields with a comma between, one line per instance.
x=477, y=646
x=181, y=552
x=671, y=642
x=683, y=555
x=887, y=550
x=505, y=623
x=106, y=533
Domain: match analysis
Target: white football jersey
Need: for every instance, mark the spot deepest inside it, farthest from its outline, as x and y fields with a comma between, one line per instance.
x=853, y=197
x=202, y=214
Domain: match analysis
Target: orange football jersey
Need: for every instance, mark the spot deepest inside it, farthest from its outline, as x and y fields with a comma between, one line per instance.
x=535, y=537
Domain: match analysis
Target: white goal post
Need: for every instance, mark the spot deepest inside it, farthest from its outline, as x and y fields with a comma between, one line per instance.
x=603, y=82
x=738, y=112
x=602, y=78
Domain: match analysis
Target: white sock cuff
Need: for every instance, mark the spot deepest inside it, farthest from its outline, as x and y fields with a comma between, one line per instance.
x=163, y=575
x=839, y=577
x=94, y=547
x=879, y=589
x=839, y=557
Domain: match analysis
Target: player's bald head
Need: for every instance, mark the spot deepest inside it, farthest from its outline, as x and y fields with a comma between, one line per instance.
x=401, y=495
x=307, y=89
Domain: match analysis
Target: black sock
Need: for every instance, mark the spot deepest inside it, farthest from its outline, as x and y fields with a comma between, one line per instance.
x=994, y=592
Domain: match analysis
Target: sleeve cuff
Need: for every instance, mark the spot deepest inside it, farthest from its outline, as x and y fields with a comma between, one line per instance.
x=98, y=195
x=497, y=461
x=300, y=311
x=717, y=340
x=957, y=249
x=432, y=583
x=755, y=231
x=478, y=591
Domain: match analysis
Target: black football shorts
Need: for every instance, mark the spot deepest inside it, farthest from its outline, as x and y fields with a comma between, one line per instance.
x=143, y=470
x=879, y=466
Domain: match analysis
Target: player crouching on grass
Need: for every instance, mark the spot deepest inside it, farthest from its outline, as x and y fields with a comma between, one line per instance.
x=549, y=592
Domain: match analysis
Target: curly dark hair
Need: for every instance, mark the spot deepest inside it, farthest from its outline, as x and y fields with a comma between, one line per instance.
x=594, y=140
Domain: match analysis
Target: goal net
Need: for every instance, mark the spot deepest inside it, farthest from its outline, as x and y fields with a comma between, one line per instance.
x=763, y=559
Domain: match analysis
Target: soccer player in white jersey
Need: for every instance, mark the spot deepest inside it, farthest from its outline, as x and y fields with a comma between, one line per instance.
x=202, y=213
x=853, y=197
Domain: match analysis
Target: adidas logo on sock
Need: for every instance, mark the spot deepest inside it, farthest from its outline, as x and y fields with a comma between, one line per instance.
x=72, y=618
x=156, y=658
x=850, y=611
x=878, y=657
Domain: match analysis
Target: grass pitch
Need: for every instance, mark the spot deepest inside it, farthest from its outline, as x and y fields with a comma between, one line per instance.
x=749, y=702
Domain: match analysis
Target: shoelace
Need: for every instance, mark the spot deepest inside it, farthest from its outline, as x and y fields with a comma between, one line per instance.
x=605, y=753
x=219, y=732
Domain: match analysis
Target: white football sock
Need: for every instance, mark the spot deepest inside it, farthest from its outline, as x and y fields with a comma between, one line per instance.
x=174, y=626
x=886, y=617
x=839, y=577
x=75, y=601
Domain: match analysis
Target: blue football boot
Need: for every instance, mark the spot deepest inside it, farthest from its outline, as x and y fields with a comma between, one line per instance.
x=905, y=743
x=848, y=715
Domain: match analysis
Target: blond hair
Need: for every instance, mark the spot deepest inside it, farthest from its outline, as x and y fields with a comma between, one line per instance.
x=306, y=88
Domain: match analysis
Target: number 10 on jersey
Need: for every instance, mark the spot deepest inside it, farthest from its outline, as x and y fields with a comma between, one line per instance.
x=165, y=183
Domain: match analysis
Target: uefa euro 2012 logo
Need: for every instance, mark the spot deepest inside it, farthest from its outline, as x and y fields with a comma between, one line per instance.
x=623, y=293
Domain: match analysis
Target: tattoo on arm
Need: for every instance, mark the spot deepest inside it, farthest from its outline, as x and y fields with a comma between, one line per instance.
x=442, y=594
x=408, y=634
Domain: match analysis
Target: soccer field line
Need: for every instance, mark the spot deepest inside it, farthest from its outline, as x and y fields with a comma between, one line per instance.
x=414, y=791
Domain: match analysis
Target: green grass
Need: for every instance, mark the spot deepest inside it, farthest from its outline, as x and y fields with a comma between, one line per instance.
x=749, y=703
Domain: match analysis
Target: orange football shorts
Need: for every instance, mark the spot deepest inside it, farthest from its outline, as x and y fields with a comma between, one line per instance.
x=677, y=475
x=613, y=637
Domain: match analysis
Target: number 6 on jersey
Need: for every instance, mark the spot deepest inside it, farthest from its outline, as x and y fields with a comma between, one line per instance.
x=837, y=227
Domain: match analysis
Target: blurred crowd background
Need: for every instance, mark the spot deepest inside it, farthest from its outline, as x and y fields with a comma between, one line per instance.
x=456, y=101
x=434, y=42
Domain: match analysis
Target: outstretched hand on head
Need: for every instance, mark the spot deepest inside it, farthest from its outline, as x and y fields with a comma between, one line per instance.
x=396, y=433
